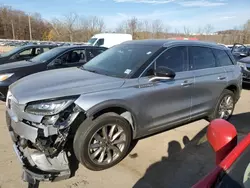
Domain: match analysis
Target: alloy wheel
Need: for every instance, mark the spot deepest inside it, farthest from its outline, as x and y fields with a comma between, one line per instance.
x=226, y=107
x=107, y=144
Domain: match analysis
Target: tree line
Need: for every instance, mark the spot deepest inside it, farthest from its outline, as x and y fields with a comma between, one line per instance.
x=16, y=24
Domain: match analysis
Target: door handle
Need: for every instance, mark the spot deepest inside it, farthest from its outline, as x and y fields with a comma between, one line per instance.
x=221, y=77
x=186, y=83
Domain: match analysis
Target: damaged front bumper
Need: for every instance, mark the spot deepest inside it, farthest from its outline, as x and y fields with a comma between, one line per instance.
x=55, y=169
x=41, y=148
x=36, y=165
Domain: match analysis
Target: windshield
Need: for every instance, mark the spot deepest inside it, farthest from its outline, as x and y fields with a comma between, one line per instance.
x=11, y=52
x=121, y=61
x=44, y=57
x=92, y=41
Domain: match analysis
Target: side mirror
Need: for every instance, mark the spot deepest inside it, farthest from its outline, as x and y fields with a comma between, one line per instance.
x=163, y=73
x=222, y=136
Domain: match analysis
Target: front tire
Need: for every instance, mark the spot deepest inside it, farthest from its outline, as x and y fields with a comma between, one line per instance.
x=224, y=107
x=103, y=142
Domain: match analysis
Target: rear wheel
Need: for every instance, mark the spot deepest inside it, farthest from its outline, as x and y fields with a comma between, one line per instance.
x=104, y=142
x=225, y=106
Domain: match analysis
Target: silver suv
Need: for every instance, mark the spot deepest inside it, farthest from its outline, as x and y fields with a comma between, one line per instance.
x=134, y=89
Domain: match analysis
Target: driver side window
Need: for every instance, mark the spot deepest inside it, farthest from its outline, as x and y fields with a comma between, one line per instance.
x=99, y=42
x=74, y=56
x=26, y=54
x=174, y=58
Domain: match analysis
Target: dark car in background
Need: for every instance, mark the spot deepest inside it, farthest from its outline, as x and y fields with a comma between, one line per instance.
x=60, y=57
x=244, y=63
x=24, y=53
x=241, y=54
x=240, y=51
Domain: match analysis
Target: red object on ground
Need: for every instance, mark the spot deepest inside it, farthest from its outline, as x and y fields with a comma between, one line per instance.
x=222, y=136
x=228, y=160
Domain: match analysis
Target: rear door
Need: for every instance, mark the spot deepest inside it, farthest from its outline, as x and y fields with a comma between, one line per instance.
x=227, y=63
x=210, y=80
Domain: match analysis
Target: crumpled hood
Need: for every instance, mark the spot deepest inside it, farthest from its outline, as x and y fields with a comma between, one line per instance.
x=12, y=66
x=60, y=83
x=245, y=60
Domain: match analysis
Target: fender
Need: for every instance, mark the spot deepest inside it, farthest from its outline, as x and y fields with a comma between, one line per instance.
x=113, y=103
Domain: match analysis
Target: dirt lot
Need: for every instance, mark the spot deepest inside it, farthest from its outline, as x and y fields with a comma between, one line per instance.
x=170, y=159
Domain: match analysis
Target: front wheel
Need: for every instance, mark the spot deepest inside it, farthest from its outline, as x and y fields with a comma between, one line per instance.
x=225, y=106
x=103, y=142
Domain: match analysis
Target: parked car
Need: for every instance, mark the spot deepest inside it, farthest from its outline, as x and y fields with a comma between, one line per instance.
x=232, y=159
x=132, y=90
x=60, y=57
x=23, y=53
x=240, y=51
x=109, y=40
x=244, y=63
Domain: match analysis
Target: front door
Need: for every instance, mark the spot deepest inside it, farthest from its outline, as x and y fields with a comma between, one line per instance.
x=169, y=101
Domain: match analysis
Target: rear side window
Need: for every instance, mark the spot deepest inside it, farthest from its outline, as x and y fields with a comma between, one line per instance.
x=201, y=58
x=45, y=49
x=222, y=57
x=91, y=53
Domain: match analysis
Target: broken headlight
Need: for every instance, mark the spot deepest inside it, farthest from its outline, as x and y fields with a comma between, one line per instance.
x=48, y=107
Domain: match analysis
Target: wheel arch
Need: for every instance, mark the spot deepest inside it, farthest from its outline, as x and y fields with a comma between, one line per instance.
x=232, y=88
x=118, y=107
x=235, y=89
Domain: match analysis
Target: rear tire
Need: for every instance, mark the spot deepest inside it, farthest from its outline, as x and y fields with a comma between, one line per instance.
x=225, y=104
x=95, y=143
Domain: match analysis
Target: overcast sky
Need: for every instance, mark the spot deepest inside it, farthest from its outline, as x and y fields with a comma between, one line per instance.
x=222, y=14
